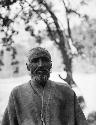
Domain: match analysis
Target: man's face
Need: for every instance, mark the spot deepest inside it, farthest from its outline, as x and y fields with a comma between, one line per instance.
x=40, y=69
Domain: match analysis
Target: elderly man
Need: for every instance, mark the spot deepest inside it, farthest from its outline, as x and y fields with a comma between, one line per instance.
x=42, y=101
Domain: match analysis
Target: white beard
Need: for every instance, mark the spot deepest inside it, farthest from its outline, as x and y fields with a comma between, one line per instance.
x=40, y=78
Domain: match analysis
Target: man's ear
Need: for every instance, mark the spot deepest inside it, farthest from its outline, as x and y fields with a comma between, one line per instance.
x=28, y=68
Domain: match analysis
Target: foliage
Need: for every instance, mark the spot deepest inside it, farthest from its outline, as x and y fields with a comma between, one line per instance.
x=81, y=102
x=92, y=118
x=85, y=40
x=1, y=60
x=35, y=12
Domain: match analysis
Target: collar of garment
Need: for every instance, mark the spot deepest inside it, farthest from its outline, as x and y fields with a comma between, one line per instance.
x=41, y=90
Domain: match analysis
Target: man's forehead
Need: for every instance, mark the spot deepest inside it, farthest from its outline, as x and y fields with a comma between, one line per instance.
x=38, y=52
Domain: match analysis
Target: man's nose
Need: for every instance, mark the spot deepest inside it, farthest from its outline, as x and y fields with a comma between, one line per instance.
x=40, y=62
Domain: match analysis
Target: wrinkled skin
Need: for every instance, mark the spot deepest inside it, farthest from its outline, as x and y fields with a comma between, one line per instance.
x=40, y=69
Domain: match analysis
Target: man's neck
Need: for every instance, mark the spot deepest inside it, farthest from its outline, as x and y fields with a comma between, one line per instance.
x=39, y=84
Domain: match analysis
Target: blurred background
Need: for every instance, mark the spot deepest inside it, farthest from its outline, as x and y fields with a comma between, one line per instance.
x=67, y=29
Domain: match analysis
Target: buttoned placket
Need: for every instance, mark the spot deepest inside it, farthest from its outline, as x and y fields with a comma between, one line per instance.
x=42, y=117
x=42, y=100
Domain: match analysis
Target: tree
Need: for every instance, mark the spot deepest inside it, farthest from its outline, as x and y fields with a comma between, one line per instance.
x=92, y=118
x=85, y=41
x=37, y=11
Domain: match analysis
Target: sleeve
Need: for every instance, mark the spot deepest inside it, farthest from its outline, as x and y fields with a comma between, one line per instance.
x=5, y=120
x=9, y=117
x=79, y=115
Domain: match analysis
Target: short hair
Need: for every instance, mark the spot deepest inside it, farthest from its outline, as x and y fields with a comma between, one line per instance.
x=38, y=52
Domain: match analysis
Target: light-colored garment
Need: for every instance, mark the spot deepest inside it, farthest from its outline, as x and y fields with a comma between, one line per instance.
x=55, y=105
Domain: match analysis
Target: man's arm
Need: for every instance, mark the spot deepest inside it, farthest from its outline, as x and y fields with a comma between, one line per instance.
x=9, y=117
x=79, y=115
x=5, y=120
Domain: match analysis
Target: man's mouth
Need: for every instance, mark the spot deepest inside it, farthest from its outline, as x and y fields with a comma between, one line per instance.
x=41, y=72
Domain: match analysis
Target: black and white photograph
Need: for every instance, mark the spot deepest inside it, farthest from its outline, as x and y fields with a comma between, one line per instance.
x=47, y=62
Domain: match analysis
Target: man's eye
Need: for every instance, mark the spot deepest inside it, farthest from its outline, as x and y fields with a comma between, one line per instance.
x=44, y=59
x=34, y=60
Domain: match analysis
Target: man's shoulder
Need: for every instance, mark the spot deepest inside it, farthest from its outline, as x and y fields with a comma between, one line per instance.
x=21, y=87
x=62, y=86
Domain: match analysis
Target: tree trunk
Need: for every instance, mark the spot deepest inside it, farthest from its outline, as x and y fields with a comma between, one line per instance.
x=68, y=67
x=63, y=46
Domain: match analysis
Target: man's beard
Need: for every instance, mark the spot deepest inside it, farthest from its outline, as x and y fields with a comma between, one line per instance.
x=40, y=74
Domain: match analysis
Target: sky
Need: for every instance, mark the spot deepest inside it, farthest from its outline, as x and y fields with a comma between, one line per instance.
x=59, y=10
x=89, y=8
x=60, y=13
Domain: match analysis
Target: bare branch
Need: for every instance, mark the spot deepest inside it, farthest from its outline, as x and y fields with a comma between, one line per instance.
x=69, y=11
x=7, y=2
x=44, y=20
